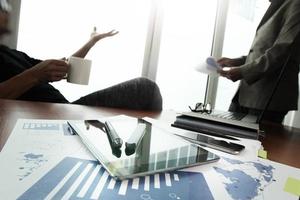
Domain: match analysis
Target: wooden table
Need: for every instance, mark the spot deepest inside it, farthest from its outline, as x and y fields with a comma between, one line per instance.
x=281, y=142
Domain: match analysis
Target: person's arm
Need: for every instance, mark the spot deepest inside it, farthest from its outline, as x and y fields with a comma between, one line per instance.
x=82, y=52
x=231, y=62
x=46, y=71
x=17, y=85
x=276, y=55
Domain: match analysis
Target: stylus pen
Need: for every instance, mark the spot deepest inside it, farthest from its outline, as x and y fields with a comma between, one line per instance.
x=134, y=139
x=116, y=141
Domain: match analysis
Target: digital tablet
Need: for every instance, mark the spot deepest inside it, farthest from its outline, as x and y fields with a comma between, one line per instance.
x=155, y=151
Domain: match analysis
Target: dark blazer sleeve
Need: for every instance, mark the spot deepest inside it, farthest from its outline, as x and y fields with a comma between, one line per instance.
x=272, y=43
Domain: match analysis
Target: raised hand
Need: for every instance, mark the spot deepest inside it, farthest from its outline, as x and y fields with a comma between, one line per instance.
x=98, y=36
x=95, y=37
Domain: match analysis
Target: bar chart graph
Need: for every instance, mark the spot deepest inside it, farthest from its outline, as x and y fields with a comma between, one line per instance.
x=75, y=178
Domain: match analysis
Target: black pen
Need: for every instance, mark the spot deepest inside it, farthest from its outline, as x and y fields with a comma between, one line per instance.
x=135, y=138
x=116, y=141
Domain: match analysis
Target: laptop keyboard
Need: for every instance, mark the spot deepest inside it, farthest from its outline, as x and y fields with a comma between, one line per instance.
x=229, y=115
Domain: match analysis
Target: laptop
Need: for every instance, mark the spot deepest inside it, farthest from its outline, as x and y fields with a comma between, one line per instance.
x=227, y=117
x=156, y=151
x=220, y=123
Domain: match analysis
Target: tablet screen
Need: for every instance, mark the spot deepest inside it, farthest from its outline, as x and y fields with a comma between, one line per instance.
x=155, y=150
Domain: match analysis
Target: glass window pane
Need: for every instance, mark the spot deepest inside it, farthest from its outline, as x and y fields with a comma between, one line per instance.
x=58, y=28
x=242, y=21
x=186, y=41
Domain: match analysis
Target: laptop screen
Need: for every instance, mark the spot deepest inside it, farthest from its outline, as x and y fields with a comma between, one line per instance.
x=156, y=151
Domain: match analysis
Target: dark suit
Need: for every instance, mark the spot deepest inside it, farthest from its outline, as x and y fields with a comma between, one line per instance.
x=271, y=47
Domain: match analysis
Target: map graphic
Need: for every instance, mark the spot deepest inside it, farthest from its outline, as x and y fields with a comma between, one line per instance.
x=30, y=162
x=75, y=178
x=245, y=180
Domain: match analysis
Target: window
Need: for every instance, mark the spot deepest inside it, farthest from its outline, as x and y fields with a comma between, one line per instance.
x=242, y=21
x=187, y=35
x=56, y=29
x=66, y=25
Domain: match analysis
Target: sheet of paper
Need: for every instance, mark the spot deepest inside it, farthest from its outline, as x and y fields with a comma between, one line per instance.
x=42, y=160
x=237, y=170
x=33, y=148
x=208, y=66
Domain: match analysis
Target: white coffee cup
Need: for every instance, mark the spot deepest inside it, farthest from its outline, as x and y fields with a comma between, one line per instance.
x=79, y=70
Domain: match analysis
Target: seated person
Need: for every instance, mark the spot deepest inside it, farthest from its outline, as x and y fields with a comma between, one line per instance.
x=26, y=78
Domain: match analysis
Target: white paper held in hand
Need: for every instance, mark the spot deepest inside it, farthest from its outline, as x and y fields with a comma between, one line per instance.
x=210, y=66
x=212, y=62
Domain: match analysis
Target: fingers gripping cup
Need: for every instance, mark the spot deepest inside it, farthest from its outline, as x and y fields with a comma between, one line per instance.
x=79, y=70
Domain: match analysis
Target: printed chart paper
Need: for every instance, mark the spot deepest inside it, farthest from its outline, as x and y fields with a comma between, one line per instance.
x=43, y=160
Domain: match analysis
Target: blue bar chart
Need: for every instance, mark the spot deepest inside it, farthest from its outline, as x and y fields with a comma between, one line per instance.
x=75, y=178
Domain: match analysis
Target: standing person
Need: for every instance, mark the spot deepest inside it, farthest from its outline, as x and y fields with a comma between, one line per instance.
x=25, y=78
x=273, y=45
